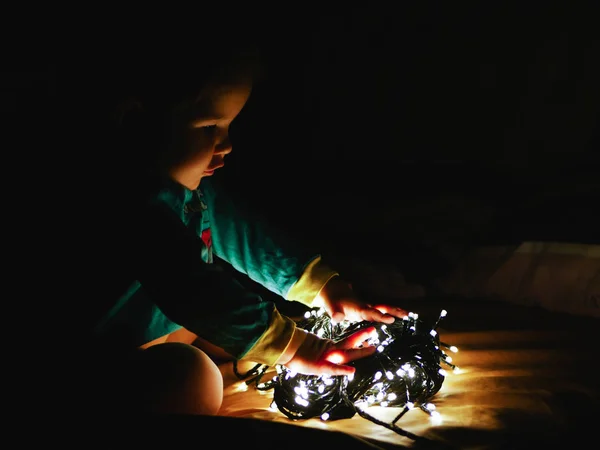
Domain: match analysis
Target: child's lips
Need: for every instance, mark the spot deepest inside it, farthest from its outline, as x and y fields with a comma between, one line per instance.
x=210, y=170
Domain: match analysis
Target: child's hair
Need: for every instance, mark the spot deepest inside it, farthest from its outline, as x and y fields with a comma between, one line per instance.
x=161, y=78
x=149, y=78
x=167, y=63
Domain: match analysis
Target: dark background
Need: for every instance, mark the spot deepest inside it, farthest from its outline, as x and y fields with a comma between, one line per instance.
x=409, y=135
x=404, y=135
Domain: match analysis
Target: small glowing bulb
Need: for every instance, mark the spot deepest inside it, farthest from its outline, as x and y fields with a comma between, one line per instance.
x=301, y=401
x=321, y=389
x=304, y=393
x=442, y=372
x=378, y=375
x=400, y=372
x=380, y=396
x=273, y=406
x=335, y=358
x=410, y=405
x=371, y=399
x=324, y=416
x=384, y=404
x=328, y=381
x=436, y=418
x=384, y=327
x=453, y=349
x=449, y=359
x=380, y=348
x=391, y=396
x=430, y=406
x=443, y=313
x=390, y=375
x=457, y=370
x=307, y=314
x=433, y=333
x=351, y=377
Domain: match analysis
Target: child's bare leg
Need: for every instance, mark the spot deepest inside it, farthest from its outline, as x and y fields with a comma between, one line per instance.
x=217, y=354
x=178, y=378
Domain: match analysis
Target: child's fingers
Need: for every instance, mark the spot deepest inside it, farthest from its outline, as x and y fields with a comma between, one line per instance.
x=392, y=310
x=330, y=368
x=333, y=364
x=357, y=338
x=348, y=355
x=358, y=353
x=376, y=315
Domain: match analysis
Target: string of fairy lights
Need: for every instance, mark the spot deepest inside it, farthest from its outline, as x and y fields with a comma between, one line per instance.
x=407, y=370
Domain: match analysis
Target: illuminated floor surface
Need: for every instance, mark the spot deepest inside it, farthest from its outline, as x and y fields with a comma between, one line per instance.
x=525, y=377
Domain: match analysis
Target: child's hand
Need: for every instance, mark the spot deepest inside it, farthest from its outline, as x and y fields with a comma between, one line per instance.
x=317, y=356
x=340, y=302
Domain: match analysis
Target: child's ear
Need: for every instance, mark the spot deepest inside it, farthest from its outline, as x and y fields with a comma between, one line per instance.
x=126, y=109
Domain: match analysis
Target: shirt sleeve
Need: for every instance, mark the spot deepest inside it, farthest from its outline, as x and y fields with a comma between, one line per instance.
x=263, y=252
x=199, y=296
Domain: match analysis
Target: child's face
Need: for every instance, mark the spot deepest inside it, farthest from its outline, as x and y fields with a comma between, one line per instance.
x=201, y=132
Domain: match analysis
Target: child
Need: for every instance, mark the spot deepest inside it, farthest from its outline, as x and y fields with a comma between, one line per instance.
x=171, y=224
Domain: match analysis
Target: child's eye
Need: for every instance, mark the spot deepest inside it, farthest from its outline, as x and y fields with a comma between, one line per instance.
x=210, y=128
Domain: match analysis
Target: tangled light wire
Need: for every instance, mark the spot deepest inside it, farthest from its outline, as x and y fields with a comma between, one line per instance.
x=406, y=372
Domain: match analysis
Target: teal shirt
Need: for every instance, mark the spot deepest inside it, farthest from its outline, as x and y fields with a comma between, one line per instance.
x=174, y=283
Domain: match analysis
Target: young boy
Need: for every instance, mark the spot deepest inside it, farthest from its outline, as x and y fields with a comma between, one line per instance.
x=164, y=239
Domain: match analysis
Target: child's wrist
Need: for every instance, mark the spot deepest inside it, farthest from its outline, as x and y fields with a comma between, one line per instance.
x=295, y=342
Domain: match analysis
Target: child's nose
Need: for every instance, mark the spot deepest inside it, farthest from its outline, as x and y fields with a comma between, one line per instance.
x=224, y=147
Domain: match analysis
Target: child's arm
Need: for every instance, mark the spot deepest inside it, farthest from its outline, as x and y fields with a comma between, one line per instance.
x=262, y=252
x=289, y=269
x=165, y=257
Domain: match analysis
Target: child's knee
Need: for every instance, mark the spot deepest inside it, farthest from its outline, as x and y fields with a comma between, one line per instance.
x=184, y=380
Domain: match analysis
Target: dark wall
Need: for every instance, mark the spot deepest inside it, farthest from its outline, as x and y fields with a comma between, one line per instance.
x=420, y=127
x=412, y=132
